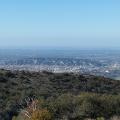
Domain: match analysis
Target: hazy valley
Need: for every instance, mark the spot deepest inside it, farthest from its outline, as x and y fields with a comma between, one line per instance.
x=97, y=62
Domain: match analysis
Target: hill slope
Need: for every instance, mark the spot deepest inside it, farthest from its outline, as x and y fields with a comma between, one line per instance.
x=15, y=86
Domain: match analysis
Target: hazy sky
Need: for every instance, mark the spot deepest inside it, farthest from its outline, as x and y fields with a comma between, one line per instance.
x=62, y=23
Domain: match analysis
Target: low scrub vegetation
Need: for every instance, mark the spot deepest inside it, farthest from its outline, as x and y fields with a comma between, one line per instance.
x=85, y=106
x=60, y=96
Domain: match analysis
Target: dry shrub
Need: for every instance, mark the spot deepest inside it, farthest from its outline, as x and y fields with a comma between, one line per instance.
x=34, y=112
x=41, y=115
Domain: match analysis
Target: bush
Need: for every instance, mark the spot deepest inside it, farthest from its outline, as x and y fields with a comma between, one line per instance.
x=41, y=115
x=34, y=111
x=85, y=105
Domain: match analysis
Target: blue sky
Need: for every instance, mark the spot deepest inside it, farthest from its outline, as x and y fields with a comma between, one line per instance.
x=60, y=23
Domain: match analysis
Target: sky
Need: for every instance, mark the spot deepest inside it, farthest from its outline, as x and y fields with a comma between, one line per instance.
x=60, y=23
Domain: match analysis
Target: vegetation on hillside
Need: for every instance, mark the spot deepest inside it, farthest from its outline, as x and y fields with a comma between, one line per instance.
x=73, y=107
x=66, y=96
